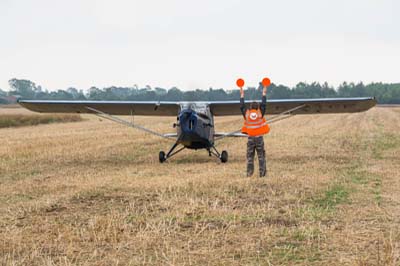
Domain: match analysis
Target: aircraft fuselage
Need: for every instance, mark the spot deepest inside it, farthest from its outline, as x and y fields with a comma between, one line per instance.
x=195, y=126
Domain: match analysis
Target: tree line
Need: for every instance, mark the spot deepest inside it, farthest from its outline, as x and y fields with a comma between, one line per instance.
x=385, y=93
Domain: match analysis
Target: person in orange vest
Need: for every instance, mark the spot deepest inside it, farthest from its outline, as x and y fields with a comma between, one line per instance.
x=255, y=126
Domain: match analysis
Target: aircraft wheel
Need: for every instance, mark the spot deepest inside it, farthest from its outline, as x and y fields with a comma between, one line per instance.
x=161, y=156
x=224, y=156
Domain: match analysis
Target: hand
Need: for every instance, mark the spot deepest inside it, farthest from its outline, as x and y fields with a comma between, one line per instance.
x=240, y=84
x=265, y=82
x=264, y=93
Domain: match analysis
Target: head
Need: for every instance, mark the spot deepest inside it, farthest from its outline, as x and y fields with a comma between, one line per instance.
x=254, y=105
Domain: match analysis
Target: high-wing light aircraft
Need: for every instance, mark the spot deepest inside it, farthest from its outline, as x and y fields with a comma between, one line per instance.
x=195, y=120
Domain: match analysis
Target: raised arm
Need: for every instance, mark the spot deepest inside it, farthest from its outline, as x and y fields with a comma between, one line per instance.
x=240, y=84
x=242, y=105
x=265, y=82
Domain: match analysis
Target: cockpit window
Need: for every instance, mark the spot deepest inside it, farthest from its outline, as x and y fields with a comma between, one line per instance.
x=203, y=115
x=199, y=108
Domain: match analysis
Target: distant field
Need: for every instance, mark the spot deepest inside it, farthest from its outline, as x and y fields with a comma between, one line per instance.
x=10, y=106
x=93, y=193
x=389, y=105
x=17, y=117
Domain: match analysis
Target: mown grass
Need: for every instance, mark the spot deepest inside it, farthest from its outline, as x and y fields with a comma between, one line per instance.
x=18, y=120
x=385, y=142
x=93, y=193
x=334, y=195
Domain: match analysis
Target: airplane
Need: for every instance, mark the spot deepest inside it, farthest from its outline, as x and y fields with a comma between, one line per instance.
x=195, y=128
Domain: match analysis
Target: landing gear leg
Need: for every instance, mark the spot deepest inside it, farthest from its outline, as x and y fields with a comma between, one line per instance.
x=162, y=157
x=223, y=156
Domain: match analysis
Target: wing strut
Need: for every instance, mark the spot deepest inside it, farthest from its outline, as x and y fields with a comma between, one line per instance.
x=288, y=114
x=125, y=123
x=284, y=115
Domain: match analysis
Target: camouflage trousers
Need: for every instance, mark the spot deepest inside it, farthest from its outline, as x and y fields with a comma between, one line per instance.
x=256, y=144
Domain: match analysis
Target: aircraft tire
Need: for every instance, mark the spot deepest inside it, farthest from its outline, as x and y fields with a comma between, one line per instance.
x=161, y=157
x=224, y=156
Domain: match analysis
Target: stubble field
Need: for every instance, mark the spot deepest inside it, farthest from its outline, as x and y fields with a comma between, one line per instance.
x=94, y=193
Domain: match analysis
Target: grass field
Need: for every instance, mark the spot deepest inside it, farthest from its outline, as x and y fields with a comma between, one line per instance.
x=12, y=116
x=93, y=193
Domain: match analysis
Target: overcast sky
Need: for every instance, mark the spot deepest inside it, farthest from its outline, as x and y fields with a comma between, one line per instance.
x=198, y=44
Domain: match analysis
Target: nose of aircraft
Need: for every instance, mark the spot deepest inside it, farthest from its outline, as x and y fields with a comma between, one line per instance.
x=188, y=120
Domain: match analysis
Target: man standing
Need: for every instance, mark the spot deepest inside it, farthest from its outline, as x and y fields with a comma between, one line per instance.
x=255, y=126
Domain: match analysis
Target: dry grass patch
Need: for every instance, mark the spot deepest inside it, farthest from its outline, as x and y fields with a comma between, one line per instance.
x=33, y=120
x=93, y=193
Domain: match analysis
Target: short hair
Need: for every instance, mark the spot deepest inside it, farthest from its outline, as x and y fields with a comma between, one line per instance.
x=254, y=105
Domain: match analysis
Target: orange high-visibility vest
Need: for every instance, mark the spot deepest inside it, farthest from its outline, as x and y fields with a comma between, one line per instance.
x=255, y=124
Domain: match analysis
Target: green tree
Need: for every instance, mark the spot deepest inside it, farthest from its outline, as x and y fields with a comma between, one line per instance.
x=174, y=94
x=95, y=93
x=384, y=92
x=24, y=88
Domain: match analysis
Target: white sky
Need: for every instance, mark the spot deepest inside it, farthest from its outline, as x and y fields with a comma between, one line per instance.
x=198, y=44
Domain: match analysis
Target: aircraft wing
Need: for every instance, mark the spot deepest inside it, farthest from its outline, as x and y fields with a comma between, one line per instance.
x=109, y=107
x=299, y=106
